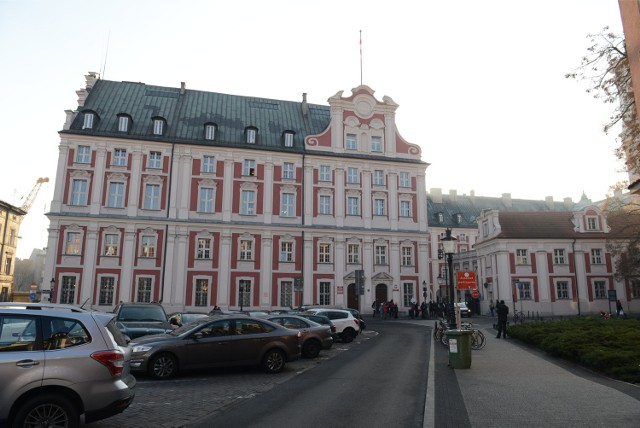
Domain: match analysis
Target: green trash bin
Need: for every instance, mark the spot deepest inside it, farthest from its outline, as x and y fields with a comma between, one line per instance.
x=459, y=348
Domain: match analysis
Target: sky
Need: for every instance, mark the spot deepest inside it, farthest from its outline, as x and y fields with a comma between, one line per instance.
x=480, y=84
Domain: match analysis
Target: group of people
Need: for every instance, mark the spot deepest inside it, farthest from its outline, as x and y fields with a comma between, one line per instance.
x=416, y=311
x=385, y=309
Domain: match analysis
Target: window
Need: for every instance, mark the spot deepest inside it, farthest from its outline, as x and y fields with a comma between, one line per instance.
x=208, y=164
x=247, y=202
x=111, y=244
x=83, y=154
x=78, y=192
x=592, y=223
x=352, y=175
x=634, y=288
x=325, y=293
x=116, y=195
x=249, y=168
x=68, y=290
x=324, y=253
x=123, y=123
x=8, y=261
x=286, y=294
x=244, y=288
x=407, y=256
x=558, y=257
x=524, y=290
x=72, y=247
x=288, y=139
x=250, y=135
x=144, y=290
x=107, y=286
x=378, y=177
x=158, y=126
x=148, y=246
x=404, y=179
x=378, y=207
x=407, y=293
x=151, y=197
x=353, y=205
x=286, y=251
x=353, y=253
x=405, y=209
x=596, y=256
x=155, y=160
x=599, y=289
x=209, y=132
x=381, y=254
x=351, y=143
x=288, y=171
x=246, y=250
x=119, y=157
x=376, y=144
x=204, y=248
x=521, y=257
x=88, y=121
x=287, y=205
x=202, y=292
x=325, y=205
x=13, y=237
x=325, y=173
x=562, y=289
x=205, y=200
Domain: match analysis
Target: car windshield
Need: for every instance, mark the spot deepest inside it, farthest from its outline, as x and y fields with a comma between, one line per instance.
x=142, y=313
x=190, y=326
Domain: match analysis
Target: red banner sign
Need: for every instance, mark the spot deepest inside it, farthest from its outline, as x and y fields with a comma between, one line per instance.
x=466, y=280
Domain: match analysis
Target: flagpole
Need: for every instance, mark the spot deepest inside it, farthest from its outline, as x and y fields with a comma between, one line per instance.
x=360, y=57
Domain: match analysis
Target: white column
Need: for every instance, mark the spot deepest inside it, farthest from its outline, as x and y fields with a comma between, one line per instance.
x=88, y=273
x=308, y=195
x=367, y=198
x=421, y=200
x=134, y=183
x=224, y=276
x=339, y=196
x=58, y=190
x=393, y=200
x=227, y=196
x=97, y=186
x=266, y=256
x=267, y=187
x=308, y=283
x=128, y=258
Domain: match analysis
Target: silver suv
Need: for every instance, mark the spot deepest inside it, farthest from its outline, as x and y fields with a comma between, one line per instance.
x=347, y=326
x=61, y=365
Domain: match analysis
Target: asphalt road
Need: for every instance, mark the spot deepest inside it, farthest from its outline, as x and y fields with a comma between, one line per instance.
x=377, y=380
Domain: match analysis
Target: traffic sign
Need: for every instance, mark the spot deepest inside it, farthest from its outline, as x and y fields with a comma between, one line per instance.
x=475, y=294
x=466, y=280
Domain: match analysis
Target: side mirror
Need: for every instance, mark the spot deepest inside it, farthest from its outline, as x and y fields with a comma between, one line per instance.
x=197, y=336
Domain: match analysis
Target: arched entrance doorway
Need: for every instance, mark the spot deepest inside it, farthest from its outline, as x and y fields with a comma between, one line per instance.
x=382, y=293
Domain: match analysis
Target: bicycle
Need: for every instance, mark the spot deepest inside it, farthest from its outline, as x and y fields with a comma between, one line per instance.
x=518, y=317
x=478, y=339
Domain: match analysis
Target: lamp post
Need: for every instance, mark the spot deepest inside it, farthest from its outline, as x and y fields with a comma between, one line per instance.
x=449, y=248
x=241, y=296
x=52, y=289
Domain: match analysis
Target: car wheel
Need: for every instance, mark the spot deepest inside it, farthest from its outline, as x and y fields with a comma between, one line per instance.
x=48, y=410
x=163, y=366
x=273, y=361
x=348, y=335
x=311, y=349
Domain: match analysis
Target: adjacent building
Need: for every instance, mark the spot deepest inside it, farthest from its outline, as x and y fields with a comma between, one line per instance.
x=10, y=219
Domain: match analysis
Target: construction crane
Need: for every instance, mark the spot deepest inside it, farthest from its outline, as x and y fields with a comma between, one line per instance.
x=34, y=192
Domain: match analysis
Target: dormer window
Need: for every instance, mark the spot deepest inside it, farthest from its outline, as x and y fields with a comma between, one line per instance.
x=250, y=135
x=210, y=131
x=458, y=218
x=124, y=123
x=592, y=223
x=158, y=126
x=440, y=218
x=88, y=120
x=288, y=139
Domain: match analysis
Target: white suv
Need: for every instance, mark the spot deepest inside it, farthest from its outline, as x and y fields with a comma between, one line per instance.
x=61, y=365
x=347, y=326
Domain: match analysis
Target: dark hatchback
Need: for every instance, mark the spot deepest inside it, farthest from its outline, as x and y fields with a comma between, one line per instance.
x=217, y=341
x=141, y=319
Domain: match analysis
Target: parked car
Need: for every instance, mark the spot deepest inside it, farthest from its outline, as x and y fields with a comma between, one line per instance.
x=178, y=319
x=347, y=326
x=141, y=319
x=356, y=313
x=59, y=363
x=464, y=310
x=314, y=337
x=321, y=319
x=217, y=341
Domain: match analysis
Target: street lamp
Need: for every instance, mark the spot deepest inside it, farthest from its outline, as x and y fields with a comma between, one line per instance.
x=449, y=248
x=52, y=289
x=241, y=296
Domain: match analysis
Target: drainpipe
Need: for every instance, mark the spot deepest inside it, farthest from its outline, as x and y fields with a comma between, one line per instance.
x=575, y=273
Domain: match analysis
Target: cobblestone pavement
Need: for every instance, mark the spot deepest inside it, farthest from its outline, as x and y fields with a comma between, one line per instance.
x=196, y=395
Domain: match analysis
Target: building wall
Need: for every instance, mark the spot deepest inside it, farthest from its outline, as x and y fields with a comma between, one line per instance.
x=10, y=219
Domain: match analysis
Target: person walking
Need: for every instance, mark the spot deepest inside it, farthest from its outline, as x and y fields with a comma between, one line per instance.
x=619, y=310
x=503, y=313
x=491, y=307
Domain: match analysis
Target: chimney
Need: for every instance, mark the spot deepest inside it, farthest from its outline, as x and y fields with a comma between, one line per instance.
x=305, y=106
x=506, y=199
x=436, y=195
x=472, y=195
x=453, y=194
x=549, y=201
x=568, y=203
x=183, y=88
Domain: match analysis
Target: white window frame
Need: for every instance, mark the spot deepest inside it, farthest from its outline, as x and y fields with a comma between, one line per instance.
x=287, y=204
x=107, y=290
x=593, y=223
x=381, y=255
x=158, y=126
x=378, y=177
x=79, y=192
x=208, y=164
x=155, y=160
x=559, y=256
x=119, y=157
x=325, y=204
x=324, y=252
x=286, y=251
x=115, y=198
x=123, y=123
x=288, y=171
x=286, y=293
x=597, y=256
x=407, y=256
x=248, y=202
x=87, y=122
x=353, y=175
x=73, y=243
x=251, y=135
x=144, y=289
x=353, y=253
x=151, y=199
x=148, y=246
x=288, y=139
x=201, y=292
x=324, y=292
x=206, y=199
x=524, y=292
x=405, y=209
x=407, y=293
x=600, y=289
x=351, y=142
x=404, y=179
x=563, y=290
x=204, y=248
x=324, y=173
x=249, y=168
x=521, y=257
x=379, y=207
x=111, y=247
x=210, y=132
x=376, y=144
x=68, y=289
x=83, y=154
x=245, y=250
x=353, y=205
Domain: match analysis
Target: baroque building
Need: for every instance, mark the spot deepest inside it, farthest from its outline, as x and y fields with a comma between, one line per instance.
x=193, y=198
x=10, y=219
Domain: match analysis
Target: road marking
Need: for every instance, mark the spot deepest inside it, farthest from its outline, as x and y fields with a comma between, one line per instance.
x=429, y=402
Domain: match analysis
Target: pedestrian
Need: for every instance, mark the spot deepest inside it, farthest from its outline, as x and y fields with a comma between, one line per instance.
x=503, y=313
x=619, y=310
x=424, y=310
x=385, y=310
x=374, y=306
x=491, y=307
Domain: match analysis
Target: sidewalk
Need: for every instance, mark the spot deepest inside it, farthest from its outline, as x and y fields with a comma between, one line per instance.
x=512, y=385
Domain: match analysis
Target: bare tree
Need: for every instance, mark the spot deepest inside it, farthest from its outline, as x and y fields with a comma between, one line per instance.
x=606, y=69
